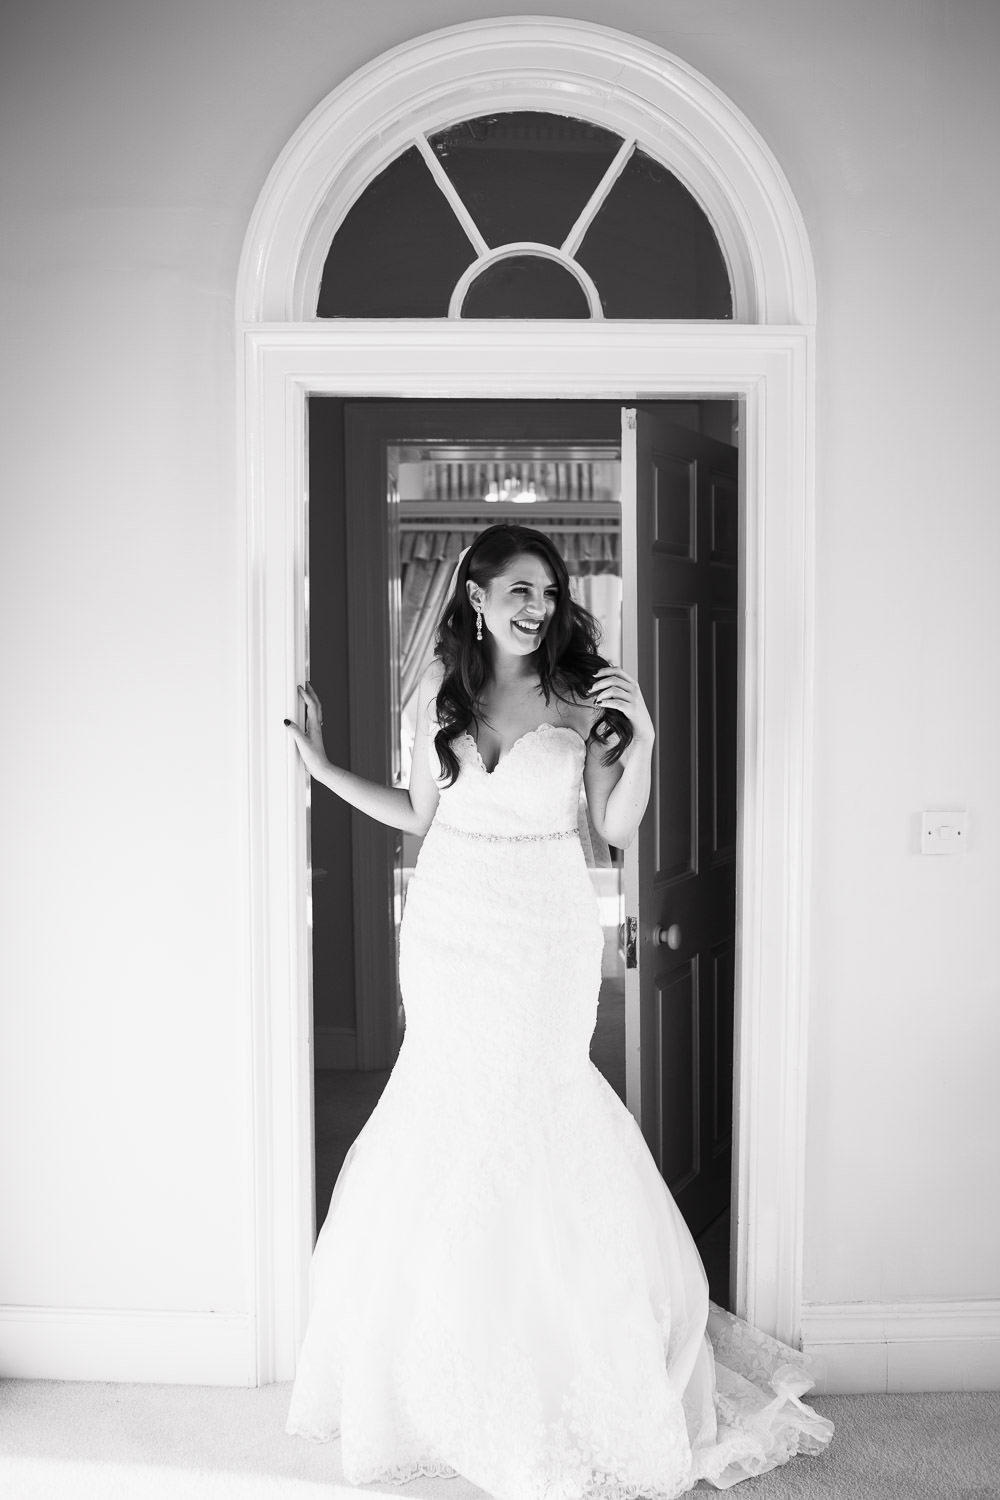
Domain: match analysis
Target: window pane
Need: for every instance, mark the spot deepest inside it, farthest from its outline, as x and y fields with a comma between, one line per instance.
x=526, y=286
x=652, y=251
x=400, y=250
x=525, y=176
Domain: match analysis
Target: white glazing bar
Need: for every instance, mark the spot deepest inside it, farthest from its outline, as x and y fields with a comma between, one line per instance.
x=524, y=247
x=447, y=187
x=573, y=240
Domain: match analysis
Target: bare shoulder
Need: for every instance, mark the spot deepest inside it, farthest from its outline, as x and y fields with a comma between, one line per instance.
x=577, y=711
x=433, y=675
x=427, y=690
x=430, y=682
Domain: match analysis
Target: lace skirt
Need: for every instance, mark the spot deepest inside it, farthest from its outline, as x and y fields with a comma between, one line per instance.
x=503, y=1287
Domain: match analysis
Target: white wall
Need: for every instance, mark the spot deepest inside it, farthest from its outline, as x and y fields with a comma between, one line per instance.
x=134, y=138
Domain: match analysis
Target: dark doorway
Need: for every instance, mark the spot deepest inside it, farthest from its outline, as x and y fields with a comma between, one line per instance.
x=395, y=488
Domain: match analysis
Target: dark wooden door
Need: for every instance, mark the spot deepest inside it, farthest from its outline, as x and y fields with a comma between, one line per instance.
x=685, y=491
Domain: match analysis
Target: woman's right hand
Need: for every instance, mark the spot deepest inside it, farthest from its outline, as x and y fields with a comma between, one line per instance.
x=309, y=739
x=390, y=805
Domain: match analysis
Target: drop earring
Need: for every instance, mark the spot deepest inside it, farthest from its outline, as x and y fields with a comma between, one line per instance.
x=479, y=623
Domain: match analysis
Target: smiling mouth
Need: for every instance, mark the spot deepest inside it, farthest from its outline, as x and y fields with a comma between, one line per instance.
x=532, y=628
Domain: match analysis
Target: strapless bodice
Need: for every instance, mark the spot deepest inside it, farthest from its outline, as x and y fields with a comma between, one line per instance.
x=533, y=790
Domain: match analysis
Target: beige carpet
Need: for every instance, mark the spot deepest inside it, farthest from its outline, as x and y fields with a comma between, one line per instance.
x=83, y=1441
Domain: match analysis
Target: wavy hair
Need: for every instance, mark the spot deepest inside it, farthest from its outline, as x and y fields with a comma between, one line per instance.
x=566, y=659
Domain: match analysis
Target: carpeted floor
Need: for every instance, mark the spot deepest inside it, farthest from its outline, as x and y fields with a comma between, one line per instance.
x=89, y=1441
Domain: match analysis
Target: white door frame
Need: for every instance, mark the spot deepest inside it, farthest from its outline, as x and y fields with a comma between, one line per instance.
x=767, y=364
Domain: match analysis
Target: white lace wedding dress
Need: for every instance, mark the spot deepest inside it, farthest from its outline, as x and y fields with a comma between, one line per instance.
x=503, y=1287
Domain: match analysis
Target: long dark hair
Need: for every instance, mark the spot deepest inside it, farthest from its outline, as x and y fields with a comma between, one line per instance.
x=566, y=658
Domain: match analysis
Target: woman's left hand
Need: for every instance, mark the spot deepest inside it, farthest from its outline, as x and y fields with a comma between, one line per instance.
x=613, y=688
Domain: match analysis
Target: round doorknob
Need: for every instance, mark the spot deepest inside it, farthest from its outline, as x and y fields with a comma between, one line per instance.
x=668, y=937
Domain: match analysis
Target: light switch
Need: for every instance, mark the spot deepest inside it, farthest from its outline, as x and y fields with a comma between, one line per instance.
x=943, y=830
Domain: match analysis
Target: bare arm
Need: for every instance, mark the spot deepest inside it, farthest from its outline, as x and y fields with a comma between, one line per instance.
x=617, y=795
x=409, y=810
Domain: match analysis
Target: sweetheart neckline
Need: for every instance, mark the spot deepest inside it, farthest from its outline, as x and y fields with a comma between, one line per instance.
x=566, y=728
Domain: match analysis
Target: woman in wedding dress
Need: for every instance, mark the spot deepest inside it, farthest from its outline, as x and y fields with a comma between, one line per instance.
x=503, y=1287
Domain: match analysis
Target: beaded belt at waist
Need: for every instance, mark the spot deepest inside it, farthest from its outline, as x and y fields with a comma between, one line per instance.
x=508, y=838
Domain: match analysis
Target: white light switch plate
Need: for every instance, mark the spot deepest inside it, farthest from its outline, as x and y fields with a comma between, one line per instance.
x=943, y=830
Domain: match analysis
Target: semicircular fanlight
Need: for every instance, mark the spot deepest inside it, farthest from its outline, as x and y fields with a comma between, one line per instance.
x=455, y=196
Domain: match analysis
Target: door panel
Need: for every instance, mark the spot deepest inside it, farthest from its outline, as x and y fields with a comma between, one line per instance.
x=674, y=509
x=674, y=764
x=723, y=678
x=724, y=539
x=679, y=1037
x=686, y=648
x=721, y=1045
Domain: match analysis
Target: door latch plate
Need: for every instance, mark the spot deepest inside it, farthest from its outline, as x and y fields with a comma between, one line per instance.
x=631, y=933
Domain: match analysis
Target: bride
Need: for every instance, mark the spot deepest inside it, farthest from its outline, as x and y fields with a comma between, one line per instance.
x=503, y=1287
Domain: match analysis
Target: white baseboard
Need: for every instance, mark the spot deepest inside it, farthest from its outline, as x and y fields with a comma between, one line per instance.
x=904, y=1346
x=185, y=1348
x=859, y=1346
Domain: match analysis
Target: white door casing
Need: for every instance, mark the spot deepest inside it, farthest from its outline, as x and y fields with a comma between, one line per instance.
x=765, y=359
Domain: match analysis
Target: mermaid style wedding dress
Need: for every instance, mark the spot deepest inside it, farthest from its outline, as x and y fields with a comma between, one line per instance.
x=503, y=1287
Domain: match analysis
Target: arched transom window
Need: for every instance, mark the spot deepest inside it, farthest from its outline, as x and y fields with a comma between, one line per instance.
x=525, y=215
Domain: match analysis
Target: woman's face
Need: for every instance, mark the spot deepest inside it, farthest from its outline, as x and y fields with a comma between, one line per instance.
x=518, y=605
